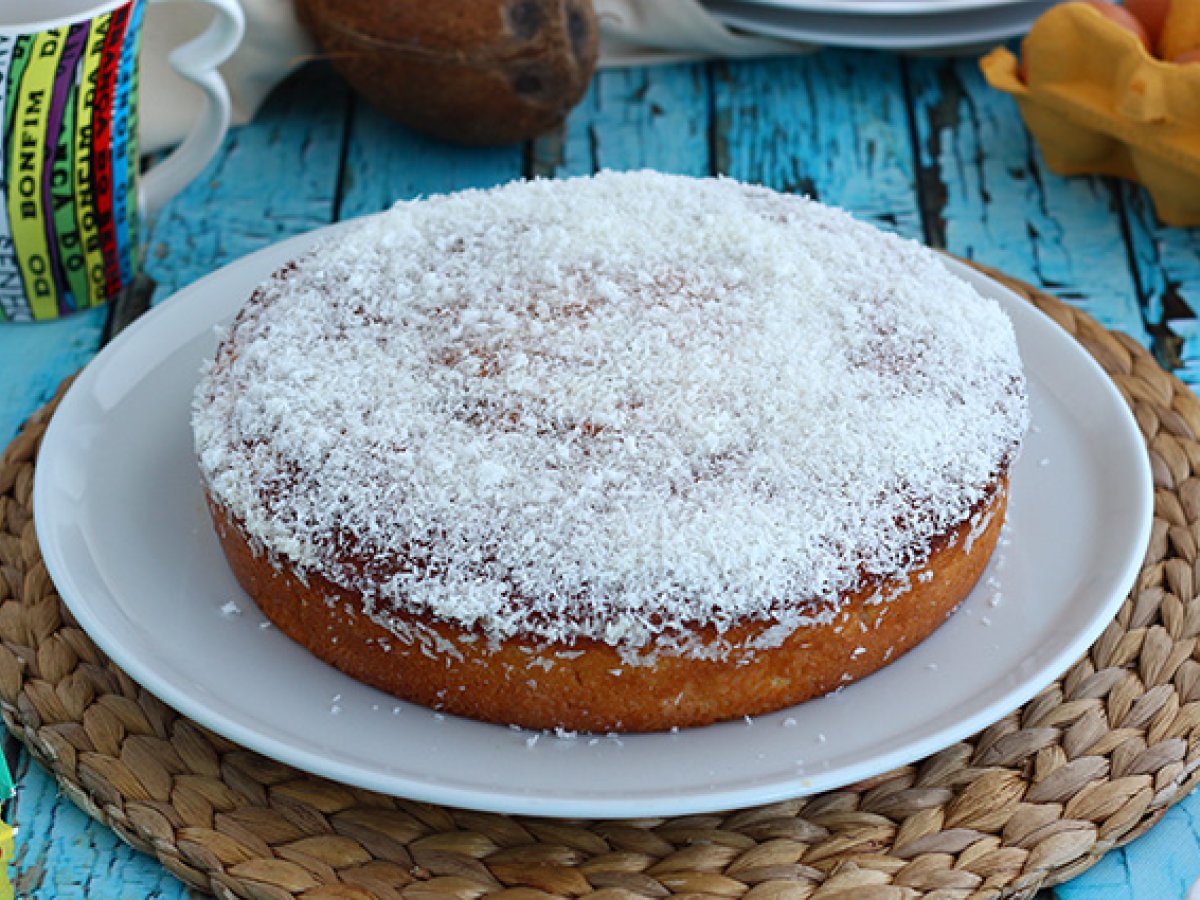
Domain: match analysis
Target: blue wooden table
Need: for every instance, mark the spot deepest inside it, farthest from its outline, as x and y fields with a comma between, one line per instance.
x=917, y=145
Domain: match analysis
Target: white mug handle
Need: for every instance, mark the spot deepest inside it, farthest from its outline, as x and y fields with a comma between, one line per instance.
x=197, y=61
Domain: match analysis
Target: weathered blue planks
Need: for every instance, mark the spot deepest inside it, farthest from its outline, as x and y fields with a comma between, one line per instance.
x=832, y=125
x=989, y=198
x=36, y=357
x=386, y=162
x=633, y=119
x=272, y=179
x=1168, y=281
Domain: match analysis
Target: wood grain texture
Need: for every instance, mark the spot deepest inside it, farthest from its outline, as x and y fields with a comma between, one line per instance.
x=36, y=357
x=386, y=162
x=632, y=119
x=830, y=125
x=272, y=179
x=1168, y=281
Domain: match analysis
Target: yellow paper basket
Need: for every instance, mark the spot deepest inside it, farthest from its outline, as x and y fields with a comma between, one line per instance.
x=1098, y=103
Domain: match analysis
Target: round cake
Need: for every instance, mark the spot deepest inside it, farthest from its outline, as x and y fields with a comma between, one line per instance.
x=619, y=453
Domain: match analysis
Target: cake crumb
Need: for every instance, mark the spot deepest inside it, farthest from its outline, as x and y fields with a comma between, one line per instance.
x=231, y=609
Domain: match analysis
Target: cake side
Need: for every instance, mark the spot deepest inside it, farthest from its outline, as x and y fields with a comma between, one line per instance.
x=588, y=685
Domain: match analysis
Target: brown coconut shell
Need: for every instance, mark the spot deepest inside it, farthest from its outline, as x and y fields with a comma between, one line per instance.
x=473, y=71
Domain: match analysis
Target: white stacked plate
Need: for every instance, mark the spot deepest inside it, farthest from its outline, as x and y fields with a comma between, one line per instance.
x=929, y=25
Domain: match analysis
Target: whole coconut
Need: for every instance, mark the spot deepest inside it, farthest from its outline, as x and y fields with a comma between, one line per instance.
x=474, y=71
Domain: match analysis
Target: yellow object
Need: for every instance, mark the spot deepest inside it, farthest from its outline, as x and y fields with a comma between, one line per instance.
x=1181, y=30
x=7, y=850
x=1098, y=103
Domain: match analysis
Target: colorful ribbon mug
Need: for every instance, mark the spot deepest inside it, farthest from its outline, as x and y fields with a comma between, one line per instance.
x=71, y=193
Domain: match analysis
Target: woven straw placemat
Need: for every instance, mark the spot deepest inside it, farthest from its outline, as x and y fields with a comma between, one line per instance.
x=1089, y=764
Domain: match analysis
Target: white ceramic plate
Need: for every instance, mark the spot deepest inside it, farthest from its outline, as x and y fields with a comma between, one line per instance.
x=882, y=7
x=956, y=29
x=122, y=525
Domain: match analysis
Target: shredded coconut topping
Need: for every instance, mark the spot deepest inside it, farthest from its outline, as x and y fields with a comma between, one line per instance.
x=610, y=407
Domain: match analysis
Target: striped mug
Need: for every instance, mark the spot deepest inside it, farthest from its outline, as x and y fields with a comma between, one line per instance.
x=71, y=191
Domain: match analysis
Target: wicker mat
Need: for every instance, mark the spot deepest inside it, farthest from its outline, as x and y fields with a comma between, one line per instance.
x=1089, y=764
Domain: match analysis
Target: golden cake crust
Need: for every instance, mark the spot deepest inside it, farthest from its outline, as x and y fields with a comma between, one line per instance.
x=587, y=685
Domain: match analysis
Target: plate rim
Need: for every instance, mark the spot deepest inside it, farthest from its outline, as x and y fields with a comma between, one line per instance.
x=881, y=8
x=990, y=24
x=509, y=801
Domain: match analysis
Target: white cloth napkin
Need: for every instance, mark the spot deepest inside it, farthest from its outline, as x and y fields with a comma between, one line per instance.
x=642, y=32
x=633, y=32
